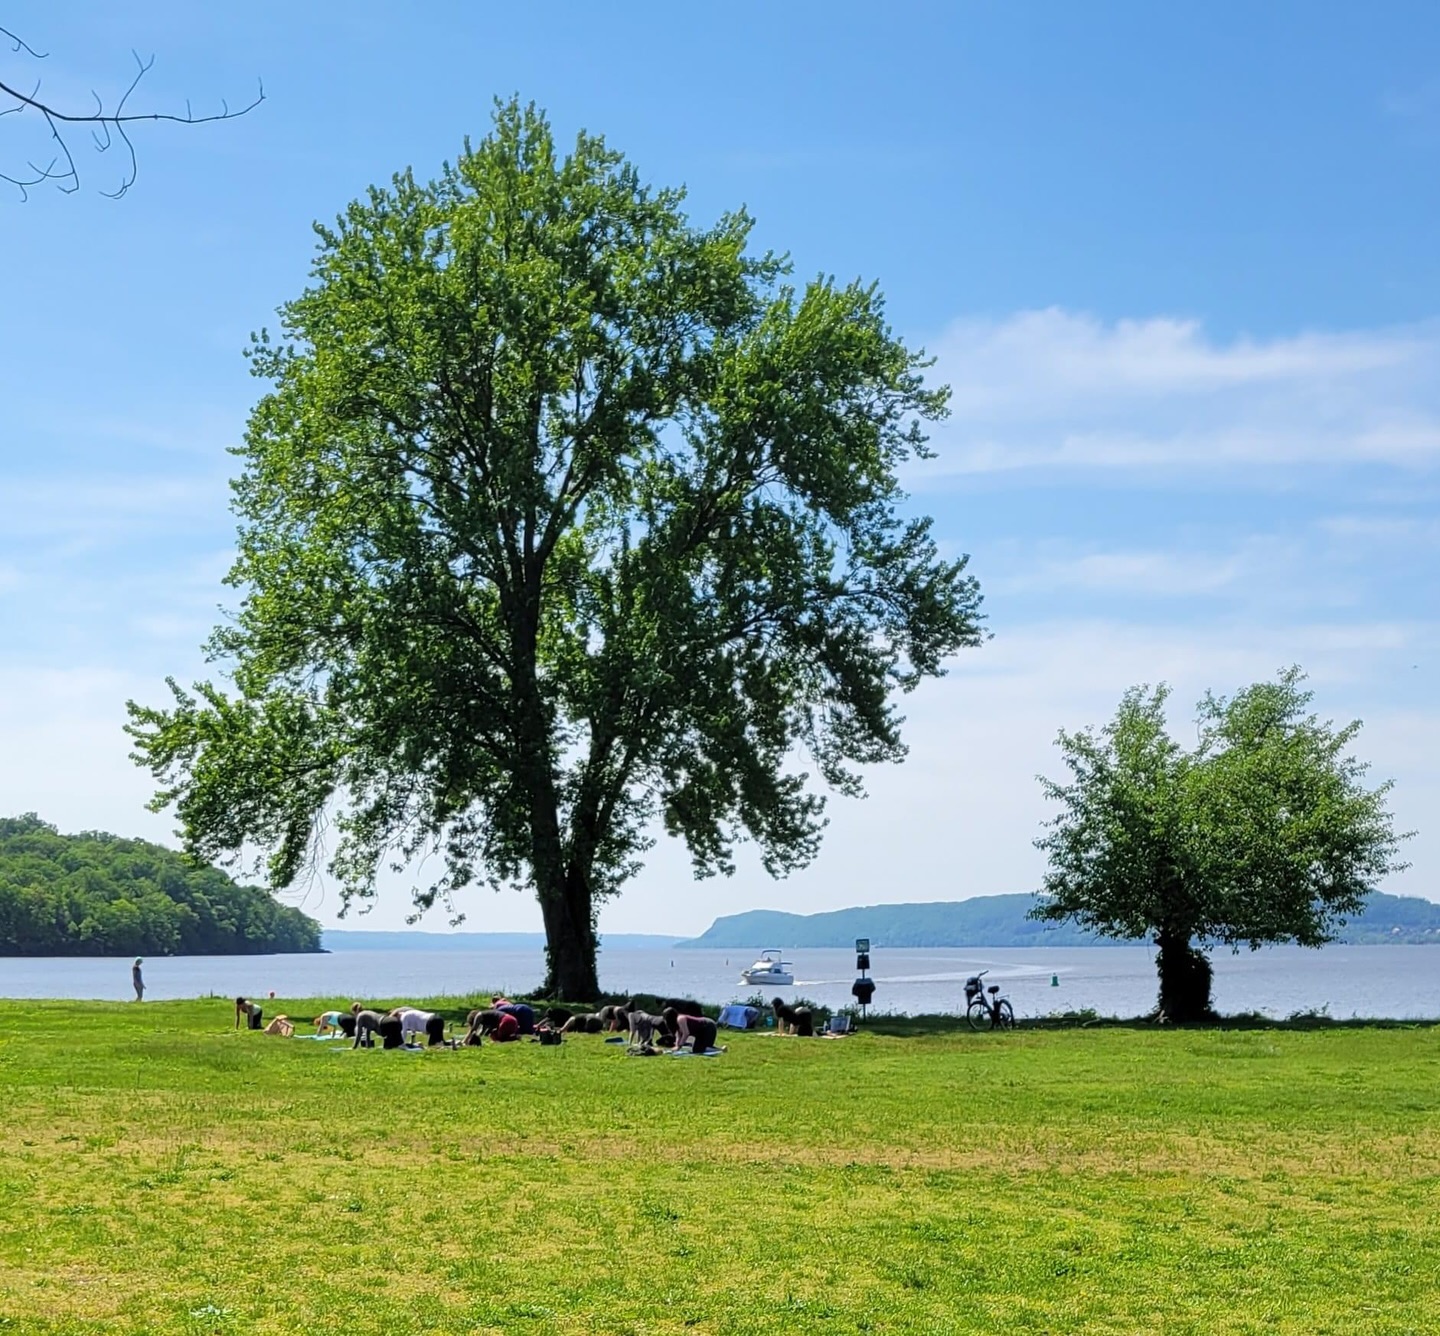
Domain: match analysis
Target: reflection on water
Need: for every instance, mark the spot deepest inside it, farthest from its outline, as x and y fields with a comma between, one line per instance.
x=1399, y=981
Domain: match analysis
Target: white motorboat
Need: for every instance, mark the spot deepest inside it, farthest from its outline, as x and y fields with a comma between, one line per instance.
x=769, y=969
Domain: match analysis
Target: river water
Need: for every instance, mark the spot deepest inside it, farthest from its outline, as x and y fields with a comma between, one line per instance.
x=1344, y=981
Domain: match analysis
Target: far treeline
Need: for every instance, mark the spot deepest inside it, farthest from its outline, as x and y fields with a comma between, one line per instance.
x=1003, y=921
x=99, y=895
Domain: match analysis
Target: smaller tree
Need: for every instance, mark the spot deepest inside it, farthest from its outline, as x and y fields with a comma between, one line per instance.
x=1264, y=833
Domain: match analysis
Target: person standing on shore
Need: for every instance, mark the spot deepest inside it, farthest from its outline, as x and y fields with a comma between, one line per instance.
x=138, y=979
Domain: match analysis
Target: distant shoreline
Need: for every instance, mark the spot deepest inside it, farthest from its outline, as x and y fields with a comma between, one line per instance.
x=1003, y=921
x=516, y=941
x=481, y=943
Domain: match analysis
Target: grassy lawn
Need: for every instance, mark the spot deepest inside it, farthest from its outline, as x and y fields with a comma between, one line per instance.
x=163, y=1173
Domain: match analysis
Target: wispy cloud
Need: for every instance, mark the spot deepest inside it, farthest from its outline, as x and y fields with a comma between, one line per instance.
x=1417, y=106
x=59, y=506
x=873, y=157
x=1406, y=530
x=1060, y=390
x=1084, y=358
x=1201, y=586
x=957, y=819
x=1161, y=574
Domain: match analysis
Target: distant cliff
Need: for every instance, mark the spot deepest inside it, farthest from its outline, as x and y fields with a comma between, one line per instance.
x=100, y=895
x=1000, y=920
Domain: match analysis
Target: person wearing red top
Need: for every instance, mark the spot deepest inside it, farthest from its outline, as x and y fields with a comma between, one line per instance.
x=506, y=1029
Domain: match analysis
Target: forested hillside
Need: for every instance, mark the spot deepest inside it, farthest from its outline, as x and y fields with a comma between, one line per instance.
x=1002, y=920
x=99, y=895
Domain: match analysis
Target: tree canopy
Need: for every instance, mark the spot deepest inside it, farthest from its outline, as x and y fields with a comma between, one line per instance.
x=1264, y=832
x=563, y=517
x=99, y=895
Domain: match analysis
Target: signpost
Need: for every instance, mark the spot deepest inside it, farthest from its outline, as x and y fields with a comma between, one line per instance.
x=863, y=989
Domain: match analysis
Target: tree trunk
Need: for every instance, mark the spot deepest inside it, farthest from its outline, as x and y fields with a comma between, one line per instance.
x=566, y=904
x=570, y=942
x=1184, y=978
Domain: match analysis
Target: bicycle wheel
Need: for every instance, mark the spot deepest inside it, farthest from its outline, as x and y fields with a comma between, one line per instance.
x=978, y=1014
x=1007, y=1016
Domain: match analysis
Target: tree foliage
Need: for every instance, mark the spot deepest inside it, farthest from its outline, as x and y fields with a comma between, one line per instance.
x=100, y=895
x=563, y=516
x=1264, y=832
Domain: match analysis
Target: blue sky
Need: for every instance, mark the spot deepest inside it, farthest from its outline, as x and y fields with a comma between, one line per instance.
x=1178, y=263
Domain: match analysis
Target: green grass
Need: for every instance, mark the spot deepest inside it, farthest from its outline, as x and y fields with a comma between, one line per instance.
x=166, y=1174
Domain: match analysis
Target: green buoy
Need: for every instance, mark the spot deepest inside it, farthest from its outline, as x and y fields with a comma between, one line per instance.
x=1054, y=981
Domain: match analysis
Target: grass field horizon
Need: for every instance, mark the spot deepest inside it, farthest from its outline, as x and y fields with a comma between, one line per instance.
x=168, y=1174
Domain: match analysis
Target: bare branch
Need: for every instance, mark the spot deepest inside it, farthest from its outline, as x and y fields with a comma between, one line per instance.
x=106, y=126
x=19, y=45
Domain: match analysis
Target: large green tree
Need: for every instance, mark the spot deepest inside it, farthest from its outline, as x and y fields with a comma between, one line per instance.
x=563, y=516
x=1264, y=832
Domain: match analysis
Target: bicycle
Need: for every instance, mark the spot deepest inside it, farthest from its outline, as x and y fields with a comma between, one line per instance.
x=994, y=1014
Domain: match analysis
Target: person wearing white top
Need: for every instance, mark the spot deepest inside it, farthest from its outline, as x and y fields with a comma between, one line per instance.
x=416, y=1024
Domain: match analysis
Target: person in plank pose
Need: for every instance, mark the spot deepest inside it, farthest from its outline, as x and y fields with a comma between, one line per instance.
x=335, y=1022
x=367, y=1026
x=414, y=1023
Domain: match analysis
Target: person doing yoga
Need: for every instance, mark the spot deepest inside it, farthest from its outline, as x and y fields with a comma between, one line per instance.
x=367, y=1026
x=524, y=1014
x=333, y=1022
x=699, y=1032
x=253, y=1012
x=415, y=1023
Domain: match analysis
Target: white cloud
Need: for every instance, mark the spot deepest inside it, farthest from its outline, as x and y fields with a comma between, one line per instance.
x=1405, y=530
x=190, y=631
x=1165, y=574
x=958, y=817
x=1059, y=390
x=1041, y=394
x=63, y=751
x=59, y=506
x=1310, y=568
x=1418, y=108
x=1078, y=354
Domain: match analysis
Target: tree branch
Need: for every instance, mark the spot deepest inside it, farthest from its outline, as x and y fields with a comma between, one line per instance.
x=106, y=126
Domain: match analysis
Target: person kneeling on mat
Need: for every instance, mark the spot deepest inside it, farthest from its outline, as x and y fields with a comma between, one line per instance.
x=524, y=1014
x=699, y=1032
